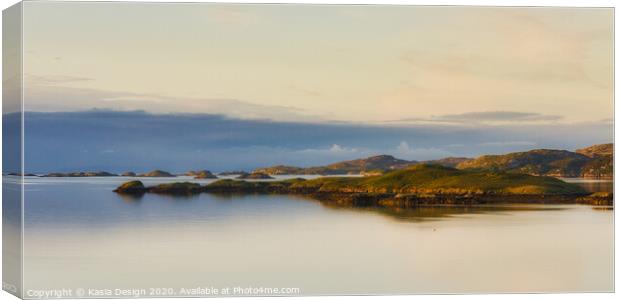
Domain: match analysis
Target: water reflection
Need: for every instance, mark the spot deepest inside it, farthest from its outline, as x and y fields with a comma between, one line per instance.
x=593, y=185
x=441, y=212
x=131, y=198
x=78, y=233
x=411, y=214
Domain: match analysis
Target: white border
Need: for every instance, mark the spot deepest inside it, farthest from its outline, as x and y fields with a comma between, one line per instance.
x=565, y=3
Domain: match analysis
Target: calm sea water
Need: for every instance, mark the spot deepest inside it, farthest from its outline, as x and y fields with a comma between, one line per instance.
x=79, y=234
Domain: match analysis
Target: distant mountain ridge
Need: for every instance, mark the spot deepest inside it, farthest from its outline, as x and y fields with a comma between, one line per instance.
x=592, y=162
x=595, y=161
x=356, y=166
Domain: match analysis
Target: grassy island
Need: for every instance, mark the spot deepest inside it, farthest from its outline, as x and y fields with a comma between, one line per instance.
x=417, y=185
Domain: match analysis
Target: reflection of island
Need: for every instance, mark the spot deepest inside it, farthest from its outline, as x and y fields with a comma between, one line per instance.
x=438, y=212
x=412, y=214
x=413, y=186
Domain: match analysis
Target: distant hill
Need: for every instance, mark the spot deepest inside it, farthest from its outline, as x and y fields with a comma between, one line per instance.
x=594, y=161
x=597, y=150
x=357, y=166
x=280, y=170
x=601, y=163
x=156, y=173
x=448, y=161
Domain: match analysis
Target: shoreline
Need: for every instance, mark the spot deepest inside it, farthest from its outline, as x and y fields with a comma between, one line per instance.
x=224, y=175
x=370, y=199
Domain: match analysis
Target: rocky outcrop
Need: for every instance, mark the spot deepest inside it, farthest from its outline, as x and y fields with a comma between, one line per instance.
x=157, y=173
x=131, y=187
x=136, y=187
x=204, y=174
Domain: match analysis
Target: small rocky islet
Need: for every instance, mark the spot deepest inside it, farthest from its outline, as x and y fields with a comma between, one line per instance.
x=81, y=174
x=203, y=174
x=413, y=186
x=254, y=175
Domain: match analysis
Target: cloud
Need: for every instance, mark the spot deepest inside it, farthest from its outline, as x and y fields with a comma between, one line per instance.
x=507, y=143
x=49, y=93
x=403, y=150
x=305, y=91
x=35, y=80
x=232, y=15
x=334, y=149
x=79, y=141
x=337, y=148
x=502, y=116
x=484, y=117
x=516, y=45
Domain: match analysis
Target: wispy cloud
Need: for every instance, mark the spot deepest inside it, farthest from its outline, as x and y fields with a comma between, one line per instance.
x=498, y=116
x=55, y=93
x=507, y=143
x=404, y=150
x=232, y=15
x=333, y=149
x=35, y=80
x=485, y=117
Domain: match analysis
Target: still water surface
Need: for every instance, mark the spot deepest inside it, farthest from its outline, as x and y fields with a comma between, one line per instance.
x=79, y=234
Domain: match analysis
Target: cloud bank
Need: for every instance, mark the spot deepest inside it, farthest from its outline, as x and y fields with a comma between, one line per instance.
x=134, y=140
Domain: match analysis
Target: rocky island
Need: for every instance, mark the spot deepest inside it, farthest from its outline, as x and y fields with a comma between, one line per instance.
x=204, y=174
x=81, y=174
x=414, y=186
x=254, y=175
x=156, y=173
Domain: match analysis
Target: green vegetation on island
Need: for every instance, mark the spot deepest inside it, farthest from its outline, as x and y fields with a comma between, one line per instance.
x=416, y=185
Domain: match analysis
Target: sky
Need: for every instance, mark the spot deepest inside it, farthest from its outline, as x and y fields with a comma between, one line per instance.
x=139, y=141
x=444, y=69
